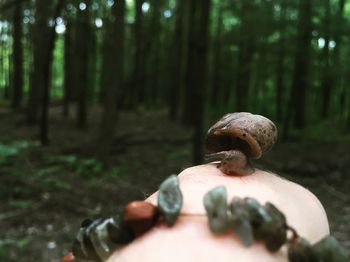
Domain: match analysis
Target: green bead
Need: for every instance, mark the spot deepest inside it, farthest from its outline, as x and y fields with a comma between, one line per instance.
x=300, y=250
x=274, y=231
x=215, y=203
x=170, y=200
x=258, y=217
x=329, y=249
x=240, y=222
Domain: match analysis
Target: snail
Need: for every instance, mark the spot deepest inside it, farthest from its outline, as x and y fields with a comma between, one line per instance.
x=237, y=138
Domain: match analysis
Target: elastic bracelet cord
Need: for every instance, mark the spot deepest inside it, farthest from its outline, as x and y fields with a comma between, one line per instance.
x=246, y=218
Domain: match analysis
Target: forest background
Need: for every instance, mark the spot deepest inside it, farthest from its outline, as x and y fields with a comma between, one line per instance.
x=103, y=99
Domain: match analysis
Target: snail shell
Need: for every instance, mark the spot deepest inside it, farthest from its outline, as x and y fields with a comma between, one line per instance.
x=252, y=134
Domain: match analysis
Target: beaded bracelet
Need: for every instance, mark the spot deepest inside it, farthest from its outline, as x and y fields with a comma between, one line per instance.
x=97, y=239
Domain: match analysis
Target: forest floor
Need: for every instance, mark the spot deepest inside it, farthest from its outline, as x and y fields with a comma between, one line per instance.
x=46, y=192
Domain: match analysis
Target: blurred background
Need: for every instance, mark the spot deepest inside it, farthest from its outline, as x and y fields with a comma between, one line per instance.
x=100, y=100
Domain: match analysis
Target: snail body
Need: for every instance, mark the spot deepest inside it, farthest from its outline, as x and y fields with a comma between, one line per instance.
x=233, y=162
x=238, y=137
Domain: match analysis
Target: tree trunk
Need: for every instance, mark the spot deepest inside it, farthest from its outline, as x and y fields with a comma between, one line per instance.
x=114, y=80
x=133, y=95
x=187, y=112
x=281, y=53
x=82, y=63
x=47, y=66
x=196, y=72
x=177, y=61
x=245, y=54
x=154, y=55
x=40, y=46
x=301, y=73
x=3, y=56
x=216, y=92
x=17, y=76
x=337, y=68
x=107, y=45
x=326, y=69
x=68, y=68
x=92, y=66
x=296, y=105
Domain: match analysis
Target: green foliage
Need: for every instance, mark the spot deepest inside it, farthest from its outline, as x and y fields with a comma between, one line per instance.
x=53, y=183
x=85, y=167
x=89, y=167
x=7, y=242
x=20, y=203
x=118, y=171
x=47, y=171
x=325, y=131
x=70, y=161
x=9, y=152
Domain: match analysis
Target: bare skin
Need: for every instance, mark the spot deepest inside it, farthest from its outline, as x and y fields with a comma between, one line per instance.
x=233, y=162
x=190, y=238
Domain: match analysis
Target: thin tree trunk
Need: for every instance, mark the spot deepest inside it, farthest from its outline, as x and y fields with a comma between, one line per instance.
x=326, y=72
x=188, y=94
x=296, y=104
x=133, y=96
x=302, y=62
x=17, y=76
x=68, y=68
x=40, y=46
x=82, y=63
x=47, y=68
x=107, y=45
x=154, y=63
x=280, y=85
x=114, y=80
x=245, y=55
x=196, y=72
x=177, y=61
x=92, y=66
x=337, y=68
x=216, y=92
x=2, y=64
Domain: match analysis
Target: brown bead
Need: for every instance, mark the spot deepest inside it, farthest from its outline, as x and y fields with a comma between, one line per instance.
x=69, y=257
x=140, y=216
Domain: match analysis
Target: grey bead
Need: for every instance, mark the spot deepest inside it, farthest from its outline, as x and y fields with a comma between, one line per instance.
x=239, y=221
x=118, y=232
x=301, y=250
x=83, y=248
x=99, y=236
x=215, y=203
x=170, y=200
x=274, y=231
x=329, y=249
x=258, y=217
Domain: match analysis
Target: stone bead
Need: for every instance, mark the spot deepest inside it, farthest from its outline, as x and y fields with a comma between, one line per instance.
x=329, y=249
x=82, y=247
x=170, y=200
x=300, y=250
x=69, y=257
x=99, y=237
x=274, y=231
x=118, y=232
x=239, y=221
x=258, y=217
x=215, y=203
x=140, y=216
